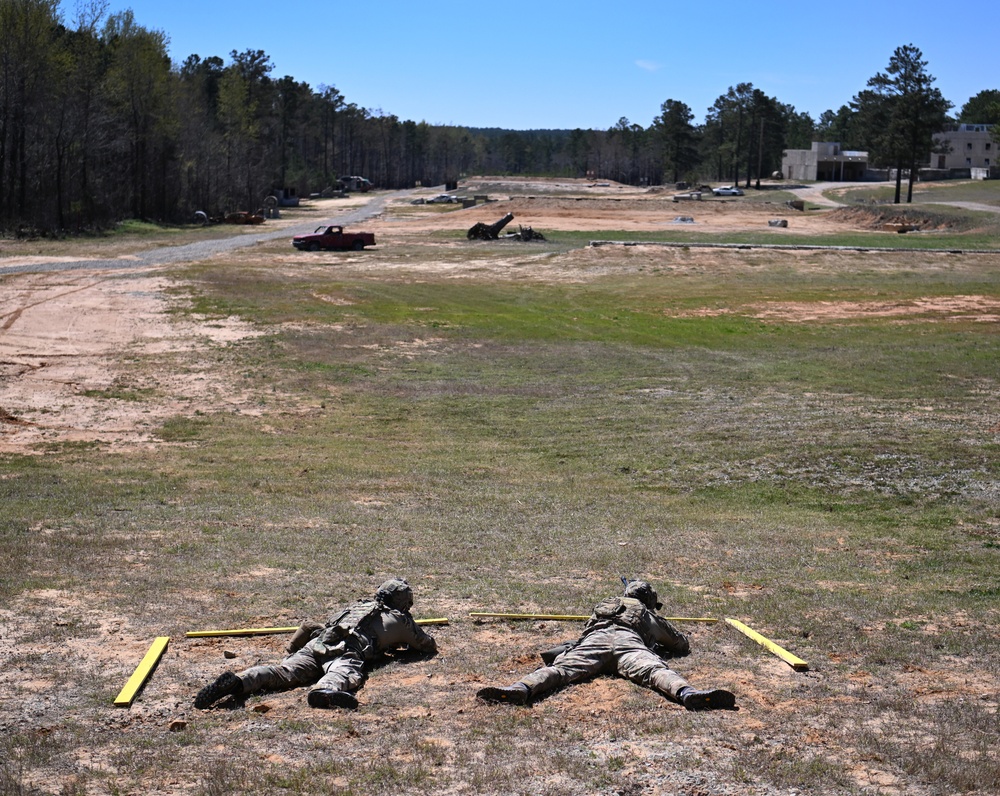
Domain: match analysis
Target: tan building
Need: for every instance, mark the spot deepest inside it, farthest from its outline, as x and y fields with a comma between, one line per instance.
x=825, y=161
x=972, y=149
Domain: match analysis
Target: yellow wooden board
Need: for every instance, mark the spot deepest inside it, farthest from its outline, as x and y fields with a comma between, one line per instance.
x=579, y=618
x=245, y=631
x=142, y=672
x=794, y=661
x=266, y=631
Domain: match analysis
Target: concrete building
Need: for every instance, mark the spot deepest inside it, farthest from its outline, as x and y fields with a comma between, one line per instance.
x=825, y=161
x=973, y=151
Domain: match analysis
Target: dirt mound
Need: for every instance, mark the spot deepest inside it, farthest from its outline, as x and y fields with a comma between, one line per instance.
x=883, y=217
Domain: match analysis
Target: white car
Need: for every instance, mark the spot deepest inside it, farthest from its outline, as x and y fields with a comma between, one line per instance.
x=443, y=199
x=727, y=190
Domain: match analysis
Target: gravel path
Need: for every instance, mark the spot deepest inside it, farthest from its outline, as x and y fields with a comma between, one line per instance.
x=202, y=250
x=814, y=194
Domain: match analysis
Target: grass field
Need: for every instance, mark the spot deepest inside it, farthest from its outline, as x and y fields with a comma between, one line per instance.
x=747, y=430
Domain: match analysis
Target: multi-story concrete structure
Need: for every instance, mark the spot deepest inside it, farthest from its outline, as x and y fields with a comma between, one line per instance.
x=825, y=161
x=973, y=151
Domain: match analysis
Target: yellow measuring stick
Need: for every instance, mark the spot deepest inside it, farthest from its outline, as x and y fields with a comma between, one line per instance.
x=795, y=662
x=576, y=618
x=142, y=672
x=266, y=631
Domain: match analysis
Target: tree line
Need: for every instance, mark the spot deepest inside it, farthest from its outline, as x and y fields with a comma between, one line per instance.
x=97, y=125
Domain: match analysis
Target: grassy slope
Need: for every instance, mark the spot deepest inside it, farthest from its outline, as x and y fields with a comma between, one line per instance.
x=833, y=483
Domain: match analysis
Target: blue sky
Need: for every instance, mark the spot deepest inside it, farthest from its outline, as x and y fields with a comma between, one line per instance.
x=531, y=65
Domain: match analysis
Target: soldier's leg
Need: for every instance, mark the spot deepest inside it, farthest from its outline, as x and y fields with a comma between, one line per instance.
x=342, y=676
x=301, y=668
x=642, y=666
x=712, y=699
x=297, y=669
x=226, y=684
x=590, y=657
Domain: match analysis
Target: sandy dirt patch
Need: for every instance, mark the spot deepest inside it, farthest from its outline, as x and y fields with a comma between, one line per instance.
x=582, y=206
x=978, y=309
x=65, y=340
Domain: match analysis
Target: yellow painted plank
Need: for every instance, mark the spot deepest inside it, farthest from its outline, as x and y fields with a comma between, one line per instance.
x=575, y=617
x=794, y=661
x=266, y=631
x=246, y=631
x=142, y=672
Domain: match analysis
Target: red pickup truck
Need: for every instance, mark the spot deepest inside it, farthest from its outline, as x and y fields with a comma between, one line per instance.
x=333, y=237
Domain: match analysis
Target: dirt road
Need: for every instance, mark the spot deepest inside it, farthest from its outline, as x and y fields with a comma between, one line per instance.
x=67, y=323
x=192, y=252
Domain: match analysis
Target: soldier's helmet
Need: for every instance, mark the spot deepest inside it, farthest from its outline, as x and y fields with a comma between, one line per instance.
x=644, y=593
x=395, y=593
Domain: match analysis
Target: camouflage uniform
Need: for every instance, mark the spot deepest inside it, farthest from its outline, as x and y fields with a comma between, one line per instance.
x=619, y=638
x=332, y=657
x=623, y=636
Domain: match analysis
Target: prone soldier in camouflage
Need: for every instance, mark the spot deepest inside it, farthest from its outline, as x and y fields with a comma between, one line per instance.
x=333, y=656
x=624, y=636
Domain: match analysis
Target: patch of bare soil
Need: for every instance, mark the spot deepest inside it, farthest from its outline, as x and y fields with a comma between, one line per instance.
x=65, y=339
x=630, y=211
x=979, y=309
x=881, y=217
x=431, y=702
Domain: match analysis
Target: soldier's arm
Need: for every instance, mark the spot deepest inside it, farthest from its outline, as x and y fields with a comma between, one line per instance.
x=305, y=633
x=400, y=630
x=418, y=638
x=667, y=637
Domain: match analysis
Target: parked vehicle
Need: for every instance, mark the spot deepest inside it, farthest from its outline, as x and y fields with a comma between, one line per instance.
x=443, y=199
x=333, y=237
x=727, y=190
x=355, y=183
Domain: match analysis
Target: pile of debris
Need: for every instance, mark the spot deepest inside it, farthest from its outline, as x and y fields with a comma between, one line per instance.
x=237, y=217
x=481, y=231
x=526, y=234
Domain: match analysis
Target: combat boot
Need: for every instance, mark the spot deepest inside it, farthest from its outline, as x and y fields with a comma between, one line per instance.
x=325, y=698
x=516, y=694
x=228, y=684
x=716, y=699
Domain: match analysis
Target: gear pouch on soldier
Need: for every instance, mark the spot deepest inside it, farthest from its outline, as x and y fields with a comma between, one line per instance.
x=609, y=608
x=329, y=638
